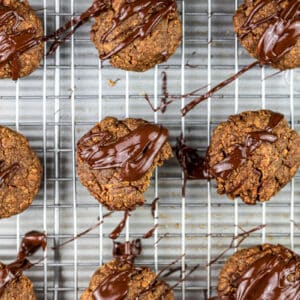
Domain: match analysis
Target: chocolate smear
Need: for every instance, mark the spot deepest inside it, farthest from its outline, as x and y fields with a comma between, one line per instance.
x=134, y=153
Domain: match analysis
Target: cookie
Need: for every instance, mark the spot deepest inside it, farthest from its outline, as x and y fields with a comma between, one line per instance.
x=253, y=155
x=263, y=272
x=122, y=280
x=20, y=288
x=21, y=35
x=20, y=173
x=116, y=158
x=137, y=35
x=269, y=31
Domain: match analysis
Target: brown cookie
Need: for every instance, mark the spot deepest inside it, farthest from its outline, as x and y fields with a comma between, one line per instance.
x=137, y=36
x=269, y=30
x=253, y=155
x=116, y=159
x=21, y=39
x=20, y=173
x=20, y=288
x=263, y=272
x=124, y=279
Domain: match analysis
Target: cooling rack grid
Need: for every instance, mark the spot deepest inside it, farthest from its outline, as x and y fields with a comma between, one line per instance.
x=71, y=91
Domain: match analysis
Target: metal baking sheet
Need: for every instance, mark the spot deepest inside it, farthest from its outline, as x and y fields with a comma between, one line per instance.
x=70, y=92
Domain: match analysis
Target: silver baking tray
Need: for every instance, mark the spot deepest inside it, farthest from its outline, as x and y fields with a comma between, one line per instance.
x=70, y=92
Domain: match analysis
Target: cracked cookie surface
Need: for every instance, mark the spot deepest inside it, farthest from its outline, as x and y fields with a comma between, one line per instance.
x=258, y=160
x=107, y=184
x=144, y=52
x=20, y=173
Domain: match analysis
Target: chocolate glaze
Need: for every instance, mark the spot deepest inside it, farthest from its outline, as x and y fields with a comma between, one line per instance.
x=273, y=277
x=242, y=151
x=116, y=285
x=281, y=35
x=7, y=173
x=15, y=42
x=117, y=231
x=30, y=244
x=134, y=153
x=151, y=12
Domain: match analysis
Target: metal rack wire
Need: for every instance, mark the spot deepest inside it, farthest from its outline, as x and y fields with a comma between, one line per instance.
x=69, y=93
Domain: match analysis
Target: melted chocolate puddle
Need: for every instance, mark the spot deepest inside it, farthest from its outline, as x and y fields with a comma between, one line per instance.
x=30, y=244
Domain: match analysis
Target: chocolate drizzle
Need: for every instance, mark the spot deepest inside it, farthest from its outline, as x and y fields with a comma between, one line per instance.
x=281, y=35
x=242, y=151
x=273, y=277
x=14, y=41
x=151, y=12
x=30, y=244
x=7, y=173
x=117, y=231
x=134, y=153
x=66, y=31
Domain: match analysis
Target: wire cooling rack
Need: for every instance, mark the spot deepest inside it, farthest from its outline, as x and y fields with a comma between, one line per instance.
x=70, y=92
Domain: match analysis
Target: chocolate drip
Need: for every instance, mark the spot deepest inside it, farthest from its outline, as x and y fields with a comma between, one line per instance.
x=153, y=207
x=7, y=173
x=127, y=251
x=193, y=165
x=150, y=233
x=281, y=35
x=117, y=231
x=15, y=41
x=30, y=244
x=273, y=277
x=134, y=153
x=151, y=12
x=242, y=151
x=66, y=31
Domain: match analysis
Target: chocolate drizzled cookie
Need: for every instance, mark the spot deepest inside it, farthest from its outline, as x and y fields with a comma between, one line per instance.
x=262, y=272
x=21, y=39
x=116, y=160
x=137, y=35
x=270, y=31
